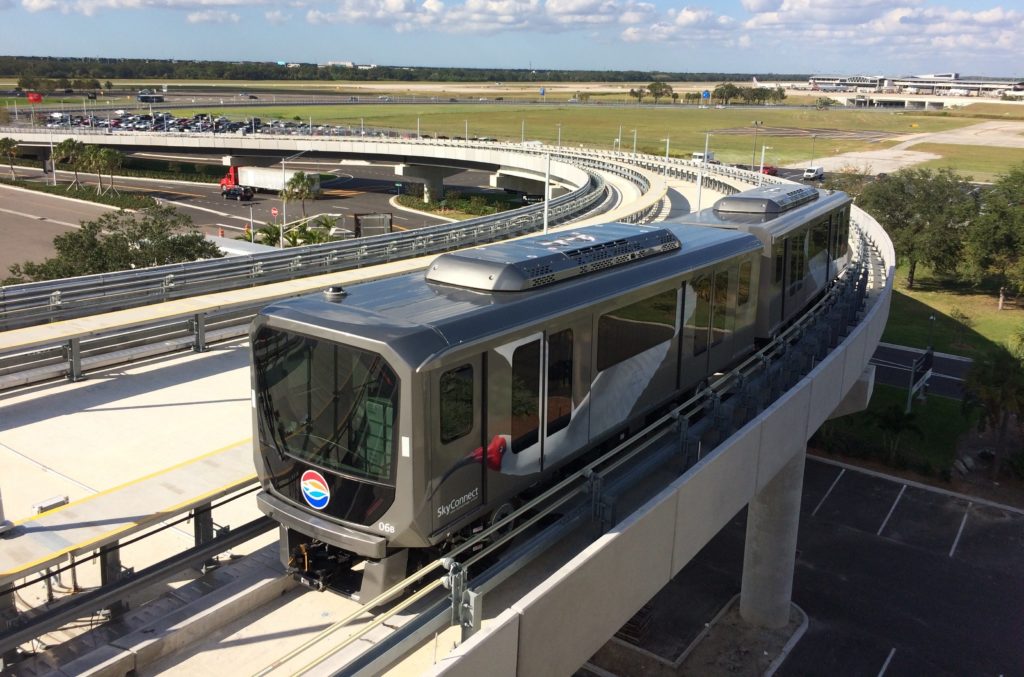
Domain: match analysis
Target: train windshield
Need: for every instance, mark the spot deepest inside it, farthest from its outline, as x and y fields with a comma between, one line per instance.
x=326, y=403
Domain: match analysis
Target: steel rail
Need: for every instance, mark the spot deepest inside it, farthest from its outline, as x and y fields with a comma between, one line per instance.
x=89, y=602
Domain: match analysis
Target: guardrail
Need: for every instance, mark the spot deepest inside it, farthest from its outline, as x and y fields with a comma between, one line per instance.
x=45, y=302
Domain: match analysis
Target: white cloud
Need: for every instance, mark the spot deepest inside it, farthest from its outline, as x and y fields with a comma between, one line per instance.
x=277, y=17
x=212, y=16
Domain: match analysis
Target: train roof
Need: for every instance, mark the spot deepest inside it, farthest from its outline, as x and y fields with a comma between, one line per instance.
x=769, y=212
x=419, y=318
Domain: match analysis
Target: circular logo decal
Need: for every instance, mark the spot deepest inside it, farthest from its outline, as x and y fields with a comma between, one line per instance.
x=315, y=489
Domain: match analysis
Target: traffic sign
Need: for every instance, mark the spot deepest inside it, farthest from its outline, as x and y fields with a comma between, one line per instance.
x=705, y=94
x=273, y=211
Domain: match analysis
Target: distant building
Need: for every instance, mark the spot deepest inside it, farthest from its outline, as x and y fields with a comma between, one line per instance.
x=939, y=84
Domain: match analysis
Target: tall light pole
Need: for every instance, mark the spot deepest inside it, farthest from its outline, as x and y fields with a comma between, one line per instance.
x=634, y=144
x=813, y=137
x=666, y=155
x=618, y=139
x=760, y=177
x=284, y=203
x=467, y=129
x=547, y=190
x=559, y=125
x=522, y=132
x=700, y=174
x=417, y=126
x=757, y=124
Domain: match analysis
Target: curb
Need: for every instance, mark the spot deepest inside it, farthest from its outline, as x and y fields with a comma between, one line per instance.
x=394, y=204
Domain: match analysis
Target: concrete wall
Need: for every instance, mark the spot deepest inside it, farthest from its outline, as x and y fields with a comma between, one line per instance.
x=565, y=619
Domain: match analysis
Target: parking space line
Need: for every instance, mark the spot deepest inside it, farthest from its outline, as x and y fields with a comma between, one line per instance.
x=960, y=530
x=920, y=485
x=894, y=503
x=885, y=665
x=842, y=471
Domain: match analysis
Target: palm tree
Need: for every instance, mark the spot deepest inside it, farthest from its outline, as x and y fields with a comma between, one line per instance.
x=90, y=161
x=299, y=187
x=995, y=383
x=110, y=161
x=9, y=149
x=70, y=151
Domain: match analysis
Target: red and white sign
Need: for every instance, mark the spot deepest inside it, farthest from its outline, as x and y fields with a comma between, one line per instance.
x=273, y=211
x=34, y=97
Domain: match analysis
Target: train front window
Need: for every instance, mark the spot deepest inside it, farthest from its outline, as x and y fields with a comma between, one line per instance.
x=329, y=404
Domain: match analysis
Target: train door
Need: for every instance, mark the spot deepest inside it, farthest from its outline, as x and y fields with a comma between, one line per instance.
x=458, y=450
x=565, y=421
x=514, y=386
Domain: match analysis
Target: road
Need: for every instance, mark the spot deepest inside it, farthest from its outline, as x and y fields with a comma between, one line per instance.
x=29, y=221
x=892, y=367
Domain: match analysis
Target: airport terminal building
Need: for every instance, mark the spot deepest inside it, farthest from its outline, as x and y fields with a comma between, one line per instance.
x=939, y=84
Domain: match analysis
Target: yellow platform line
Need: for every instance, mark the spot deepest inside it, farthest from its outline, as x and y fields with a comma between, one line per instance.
x=127, y=526
x=136, y=481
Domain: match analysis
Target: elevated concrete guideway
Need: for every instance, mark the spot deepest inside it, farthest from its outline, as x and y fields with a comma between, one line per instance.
x=759, y=464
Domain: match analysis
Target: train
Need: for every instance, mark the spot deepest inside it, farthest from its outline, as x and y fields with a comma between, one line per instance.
x=400, y=415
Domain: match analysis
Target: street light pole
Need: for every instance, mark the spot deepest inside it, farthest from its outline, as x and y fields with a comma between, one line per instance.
x=559, y=125
x=700, y=174
x=666, y=154
x=284, y=203
x=547, y=190
x=756, y=123
x=813, y=137
x=522, y=132
x=634, y=144
x=467, y=130
x=760, y=177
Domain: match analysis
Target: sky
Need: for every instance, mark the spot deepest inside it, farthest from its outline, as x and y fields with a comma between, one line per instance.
x=880, y=37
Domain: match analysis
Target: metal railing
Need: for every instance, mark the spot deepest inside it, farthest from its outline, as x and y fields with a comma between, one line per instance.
x=45, y=302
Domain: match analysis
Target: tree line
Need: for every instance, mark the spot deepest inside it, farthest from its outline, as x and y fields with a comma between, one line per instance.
x=969, y=236
x=68, y=69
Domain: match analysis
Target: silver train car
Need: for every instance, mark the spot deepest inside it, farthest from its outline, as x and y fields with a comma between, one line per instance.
x=805, y=234
x=401, y=414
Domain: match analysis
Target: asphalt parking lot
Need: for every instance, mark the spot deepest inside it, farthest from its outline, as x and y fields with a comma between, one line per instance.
x=896, y=579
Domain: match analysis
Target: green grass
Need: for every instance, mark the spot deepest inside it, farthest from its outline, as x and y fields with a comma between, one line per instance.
x=986, y=326
x=597, y=127
x=980, y=163
x=941, y=423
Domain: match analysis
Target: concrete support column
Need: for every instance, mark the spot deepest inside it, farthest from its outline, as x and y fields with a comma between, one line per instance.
x=518, y=183
x=432, y=178
x=4, y=524
x=773, y=519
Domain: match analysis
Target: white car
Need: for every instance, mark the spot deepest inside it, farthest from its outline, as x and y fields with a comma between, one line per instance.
x=814, y=174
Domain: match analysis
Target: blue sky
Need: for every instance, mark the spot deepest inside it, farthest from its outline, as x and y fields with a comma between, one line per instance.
x=892, y=37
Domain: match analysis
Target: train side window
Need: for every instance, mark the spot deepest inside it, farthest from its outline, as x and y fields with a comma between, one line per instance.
x=844, y=231
x=743, y=292
x=456, y=408
x=797, y=262
x=779, y=253
x=559, y=395
x=723, y=313
x=700, y=320
x=630, y=330
x=525, y=396
x=819, y=238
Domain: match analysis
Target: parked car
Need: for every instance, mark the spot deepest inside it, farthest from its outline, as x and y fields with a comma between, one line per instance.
x=237, y=193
